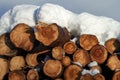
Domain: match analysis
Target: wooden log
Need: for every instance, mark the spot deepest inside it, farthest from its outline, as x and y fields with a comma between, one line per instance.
x=113, y=62
x=32, y=74
x=112, y=45
x=17, y=63
x=86, y=77
x=4, y=68
x=87, y=41
x=99, y=77
x=99, y=54
x=16, y=75
x=82, y=57
x=58, y=79
x=52, y=35
x=70, y=47
x=53, y=68
x=116, y=76
x=6, y=48
x=66, y=61
x=58, y=53
x=72, y=72
x=22, y=36
x=31, y=59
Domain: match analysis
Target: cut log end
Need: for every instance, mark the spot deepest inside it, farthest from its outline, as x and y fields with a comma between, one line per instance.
x=72, y=72
x=116, y=76
x=16, y=75
x=113, y=62
x=4, y=67
x=17, y=63
x=22, y=36
x=57, y=53
x=86, y=77
x=82, y=57
x=52, y=68
x=87, y=41
x=52, y=35
x=99, y=77
x=32, y=75
x=66, y=61
x=70, y=47
x=47, y=34
x=5, y=46
x=112, y=45
x=99, y=54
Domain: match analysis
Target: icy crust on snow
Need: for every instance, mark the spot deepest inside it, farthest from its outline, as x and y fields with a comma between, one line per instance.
x=103, y=27
x=18, y=14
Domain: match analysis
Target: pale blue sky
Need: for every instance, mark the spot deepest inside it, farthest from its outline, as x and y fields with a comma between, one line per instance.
x=109, y=8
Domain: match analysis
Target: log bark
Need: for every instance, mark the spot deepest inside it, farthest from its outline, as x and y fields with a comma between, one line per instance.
x=52, y=35
x=58, y=53
x=4, y=68
x=72, y=72
x=17, y=63
x=53, y=68
x=82, y=57
x=70, y=47
x=22, y=36
x=16, y=75
x=32, y=75
x=113, y=62
x=112, y=45
x=6, y=47
x=99, y=54
x=87, y=41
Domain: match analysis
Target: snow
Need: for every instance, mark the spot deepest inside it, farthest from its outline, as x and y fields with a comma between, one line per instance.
x=92, y=72
x=77, y=63
x=84, y=23
x=104, y=28
x=51, y=13
x=94, y=63
x=18, y=14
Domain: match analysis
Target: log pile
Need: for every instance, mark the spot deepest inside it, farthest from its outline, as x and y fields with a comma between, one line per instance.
x=48, y=52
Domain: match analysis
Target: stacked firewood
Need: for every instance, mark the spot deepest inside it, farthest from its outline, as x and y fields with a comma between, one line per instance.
x=50, y=52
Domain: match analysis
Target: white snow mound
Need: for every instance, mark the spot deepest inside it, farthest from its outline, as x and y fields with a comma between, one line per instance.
x=103, y=27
